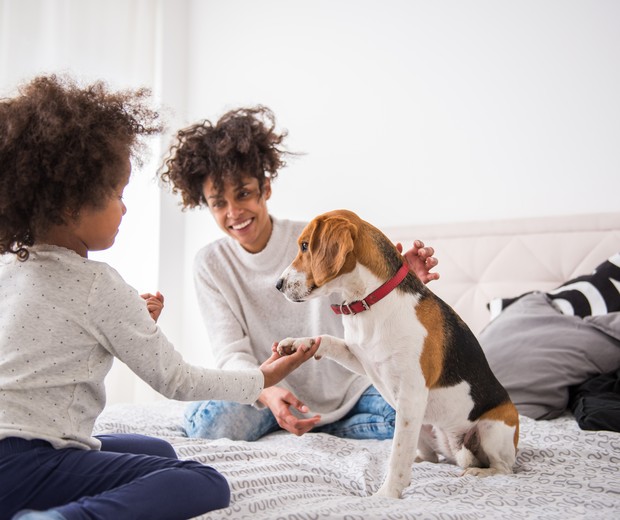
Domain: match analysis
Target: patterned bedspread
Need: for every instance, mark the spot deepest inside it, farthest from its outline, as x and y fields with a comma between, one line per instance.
x=561, y=473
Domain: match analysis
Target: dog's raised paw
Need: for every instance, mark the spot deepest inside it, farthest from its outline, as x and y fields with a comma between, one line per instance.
x=289, y=346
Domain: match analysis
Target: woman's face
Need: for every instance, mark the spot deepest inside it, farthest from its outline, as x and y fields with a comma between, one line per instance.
x=241, y=211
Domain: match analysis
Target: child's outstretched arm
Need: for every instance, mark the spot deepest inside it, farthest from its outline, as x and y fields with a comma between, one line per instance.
x=154, y=304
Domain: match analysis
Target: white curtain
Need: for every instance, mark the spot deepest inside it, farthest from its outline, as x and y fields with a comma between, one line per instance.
x=121, y=42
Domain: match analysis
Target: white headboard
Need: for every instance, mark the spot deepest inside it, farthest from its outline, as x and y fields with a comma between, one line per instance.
x=479, y=261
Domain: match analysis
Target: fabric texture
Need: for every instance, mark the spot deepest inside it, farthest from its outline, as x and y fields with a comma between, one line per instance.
x=244, y=314
x=538, y=353
x=596, y=403
x=561, y=472
x=64, y=318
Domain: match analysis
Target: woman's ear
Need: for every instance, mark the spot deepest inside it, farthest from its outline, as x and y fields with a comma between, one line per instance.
x=267, y=188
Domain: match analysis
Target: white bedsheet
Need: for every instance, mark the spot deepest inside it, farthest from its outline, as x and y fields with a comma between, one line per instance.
x=561, y=473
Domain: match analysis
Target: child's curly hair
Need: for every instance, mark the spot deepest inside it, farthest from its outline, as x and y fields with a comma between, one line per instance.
x=242, y=143
x=59, y=144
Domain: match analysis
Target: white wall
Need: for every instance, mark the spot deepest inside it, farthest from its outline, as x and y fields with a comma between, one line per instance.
x=417, y=111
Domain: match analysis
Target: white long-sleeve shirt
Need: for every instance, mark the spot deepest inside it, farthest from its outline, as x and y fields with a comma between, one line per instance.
x=62, y=320
x=244, y=314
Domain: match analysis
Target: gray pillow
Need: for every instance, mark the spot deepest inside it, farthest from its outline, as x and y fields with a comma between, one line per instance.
x=537, y=353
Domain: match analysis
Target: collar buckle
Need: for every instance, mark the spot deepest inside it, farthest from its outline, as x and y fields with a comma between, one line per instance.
x=345, y=308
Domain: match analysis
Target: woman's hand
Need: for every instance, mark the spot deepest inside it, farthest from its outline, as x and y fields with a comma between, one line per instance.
x=279, y=401
x=154, y=304
x=421, y=260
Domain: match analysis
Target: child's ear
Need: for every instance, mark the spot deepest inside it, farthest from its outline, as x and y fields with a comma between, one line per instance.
x=70, y=214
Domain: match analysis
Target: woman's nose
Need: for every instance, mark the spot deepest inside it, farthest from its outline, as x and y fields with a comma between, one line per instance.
x=233, y=210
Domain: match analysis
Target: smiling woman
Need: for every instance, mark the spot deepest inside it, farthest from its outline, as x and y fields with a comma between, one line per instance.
x=241, y=211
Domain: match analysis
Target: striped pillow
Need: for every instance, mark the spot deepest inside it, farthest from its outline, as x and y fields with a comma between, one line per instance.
x=593, y=294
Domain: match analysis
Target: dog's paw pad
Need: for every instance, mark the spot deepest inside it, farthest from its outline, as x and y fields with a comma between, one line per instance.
x=286, y=349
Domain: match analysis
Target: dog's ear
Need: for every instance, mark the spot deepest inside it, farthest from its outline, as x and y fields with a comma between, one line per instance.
x=330, y=243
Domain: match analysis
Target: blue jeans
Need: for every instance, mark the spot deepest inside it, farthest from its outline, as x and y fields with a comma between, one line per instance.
x=371, y=418
x=133, y=476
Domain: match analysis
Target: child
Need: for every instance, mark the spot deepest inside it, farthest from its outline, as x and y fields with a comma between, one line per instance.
x=64, y=162
x=229, y=167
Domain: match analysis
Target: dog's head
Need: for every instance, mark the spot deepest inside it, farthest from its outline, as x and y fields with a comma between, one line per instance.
x=325, y=252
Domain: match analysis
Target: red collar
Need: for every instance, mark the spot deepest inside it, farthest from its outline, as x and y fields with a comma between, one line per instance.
x=373, y=297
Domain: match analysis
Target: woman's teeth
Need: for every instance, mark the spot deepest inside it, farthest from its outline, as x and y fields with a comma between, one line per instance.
x=237, y=227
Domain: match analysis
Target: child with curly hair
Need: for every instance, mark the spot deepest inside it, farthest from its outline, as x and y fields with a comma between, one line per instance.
x=229, y=168
x=65, y=158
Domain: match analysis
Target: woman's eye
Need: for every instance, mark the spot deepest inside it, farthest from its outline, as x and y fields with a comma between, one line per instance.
x=304, y=247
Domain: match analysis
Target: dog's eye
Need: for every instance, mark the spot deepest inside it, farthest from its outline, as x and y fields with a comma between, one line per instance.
x=304, y=247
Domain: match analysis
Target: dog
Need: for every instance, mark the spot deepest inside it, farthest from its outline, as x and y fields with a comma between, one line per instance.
x=415, y=349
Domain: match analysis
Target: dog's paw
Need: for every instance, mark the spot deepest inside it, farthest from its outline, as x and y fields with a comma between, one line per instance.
x=426, y=456
x=289, y=346
x=387, y=491
x=483, y=472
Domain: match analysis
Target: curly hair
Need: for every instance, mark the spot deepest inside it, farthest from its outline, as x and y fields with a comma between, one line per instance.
x=59, y=144
x=243, y=143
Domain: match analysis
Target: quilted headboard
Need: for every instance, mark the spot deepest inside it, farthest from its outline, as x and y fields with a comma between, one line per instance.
x=479, y=261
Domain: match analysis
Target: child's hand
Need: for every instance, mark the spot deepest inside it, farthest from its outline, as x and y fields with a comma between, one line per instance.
x=154, y=304
x=278, y=367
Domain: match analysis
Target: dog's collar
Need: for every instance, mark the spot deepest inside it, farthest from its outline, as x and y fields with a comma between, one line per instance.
x=373, y=297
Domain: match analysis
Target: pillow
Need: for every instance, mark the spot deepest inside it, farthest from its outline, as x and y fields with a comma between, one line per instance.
x=593, y=294
x=537, y=352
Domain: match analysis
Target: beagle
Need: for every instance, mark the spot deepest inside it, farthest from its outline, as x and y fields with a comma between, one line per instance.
x=415, y=349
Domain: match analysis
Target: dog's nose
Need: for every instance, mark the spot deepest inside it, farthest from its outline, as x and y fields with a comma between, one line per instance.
x=279, y=284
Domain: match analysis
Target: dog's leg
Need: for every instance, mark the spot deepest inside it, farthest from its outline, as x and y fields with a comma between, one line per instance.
x=497, y=443
x=330, y=347
x=427, y=445
x=410, y=407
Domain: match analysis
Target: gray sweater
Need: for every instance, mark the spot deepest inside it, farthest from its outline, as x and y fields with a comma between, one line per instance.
x=244, y=314
x=63, y=319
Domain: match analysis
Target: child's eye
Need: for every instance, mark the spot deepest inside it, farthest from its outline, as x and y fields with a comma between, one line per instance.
x=217, y=204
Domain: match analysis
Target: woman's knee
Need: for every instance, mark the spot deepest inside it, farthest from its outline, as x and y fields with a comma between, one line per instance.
x=224, y=419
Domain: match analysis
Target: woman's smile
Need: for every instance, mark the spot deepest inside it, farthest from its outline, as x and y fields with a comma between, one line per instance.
x=242, y=225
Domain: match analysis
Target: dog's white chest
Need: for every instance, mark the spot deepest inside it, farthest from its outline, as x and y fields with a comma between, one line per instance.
x=387, y=340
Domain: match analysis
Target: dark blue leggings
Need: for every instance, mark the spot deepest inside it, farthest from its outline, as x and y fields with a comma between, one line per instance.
x=132, y=477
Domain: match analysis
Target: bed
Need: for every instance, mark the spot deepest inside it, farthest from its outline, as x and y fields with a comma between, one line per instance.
x=562, y=471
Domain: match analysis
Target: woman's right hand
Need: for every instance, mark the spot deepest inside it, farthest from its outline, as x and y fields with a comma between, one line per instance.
x=279, y=400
